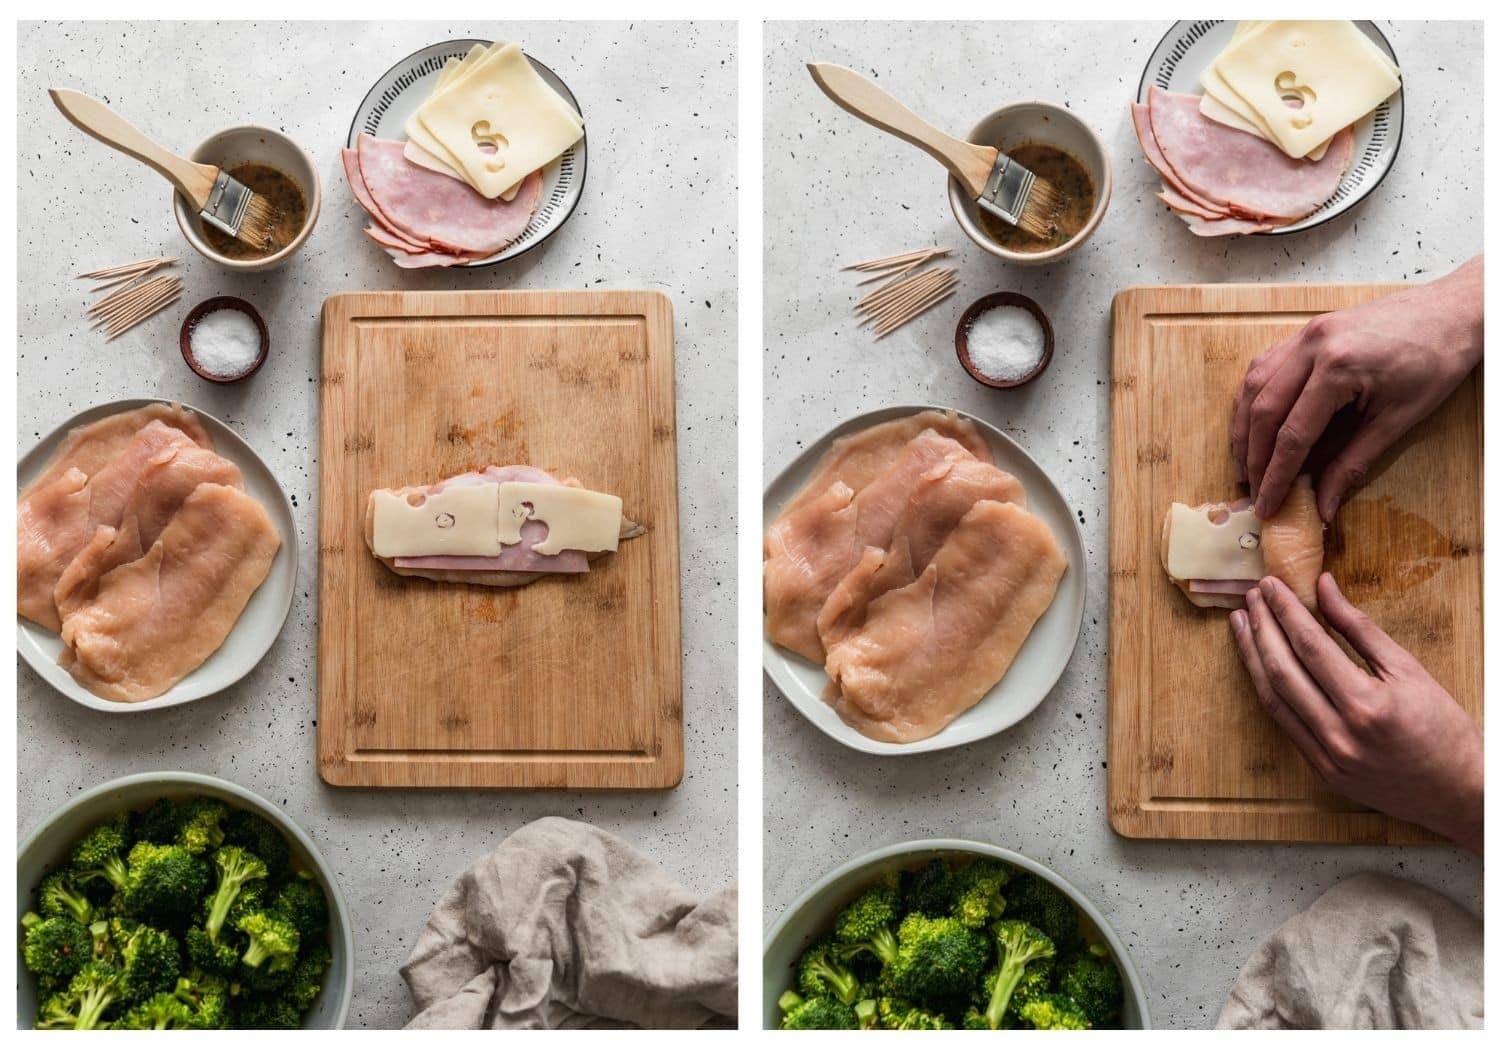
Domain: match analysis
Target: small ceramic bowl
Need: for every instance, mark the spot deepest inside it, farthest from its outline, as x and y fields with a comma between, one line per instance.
x=1051, y=125
x=983, y=305
x=812, y=914
x=214, y=305
x=243, y=144
x=47, y=846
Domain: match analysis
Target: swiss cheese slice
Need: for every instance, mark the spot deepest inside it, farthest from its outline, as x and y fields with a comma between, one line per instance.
x=500, y=101
x=1199, y=549
x=1223, y=106
x=576, y=519
x=1337, y=73
x=460, y=520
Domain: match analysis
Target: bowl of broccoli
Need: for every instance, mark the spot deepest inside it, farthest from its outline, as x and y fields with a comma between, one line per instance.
x=177, y=900
x=945, y=933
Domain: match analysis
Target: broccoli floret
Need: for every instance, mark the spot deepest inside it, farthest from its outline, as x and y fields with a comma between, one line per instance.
x=162, y=1010
x=162, y=881
x=1017, y=945
x=868, y=924
x=202, y=826
x=235, y=868
x=159, y=823
x=58, y=896
x=55, y=948
x=1055, y=1012
x=930, y=889
x=977, y=899
x=215, y=957
x=255, y=896
x=821, y=973
x=898, y=1015
x=101, y=854
x=301, y=903
x=149, y=959
x=307, y=975
x=1034, y=900
x=253, y=832
x=82, y=1005
x=273, y=941
x=208, y=998
x=259, y=1011
x=1035, y=980
x=1094, y=984
x=815, y=1012
x=938, y=960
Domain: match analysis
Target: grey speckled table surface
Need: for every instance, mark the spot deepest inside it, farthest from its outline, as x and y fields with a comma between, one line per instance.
x=837, y=191
x=660, y=102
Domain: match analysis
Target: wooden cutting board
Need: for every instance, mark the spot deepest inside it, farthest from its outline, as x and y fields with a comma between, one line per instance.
x=1191, y=755
x=569, y=682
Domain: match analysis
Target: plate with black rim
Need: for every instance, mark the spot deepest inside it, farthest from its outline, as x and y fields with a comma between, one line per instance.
x=259, y=623
x=1184, y=53
x=403, y=88
x=1041, y=659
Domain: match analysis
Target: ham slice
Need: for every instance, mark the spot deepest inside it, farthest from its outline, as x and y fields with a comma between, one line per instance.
x=517, y=564
x=1243, y=173
x=929, y=651
x=383, y=232
x=430, y=208
x=157, y=618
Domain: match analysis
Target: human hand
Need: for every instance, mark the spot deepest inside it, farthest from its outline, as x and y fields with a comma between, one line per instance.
x=1390, y=738
x=1393, y=359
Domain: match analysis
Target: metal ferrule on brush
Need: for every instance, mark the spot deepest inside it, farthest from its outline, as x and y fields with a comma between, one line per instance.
x=226, y=204
x=1007, y=191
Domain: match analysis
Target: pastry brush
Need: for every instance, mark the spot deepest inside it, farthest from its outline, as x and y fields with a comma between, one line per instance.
x=996, y=182
x=221, y=200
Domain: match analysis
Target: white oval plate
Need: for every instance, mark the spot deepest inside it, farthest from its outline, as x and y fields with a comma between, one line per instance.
x=403, y=88
x=1037, y=666
x=257, y=626
x=1184, y=53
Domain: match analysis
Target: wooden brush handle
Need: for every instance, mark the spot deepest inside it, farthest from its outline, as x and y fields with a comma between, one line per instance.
x=970, y=164
x=89, y=115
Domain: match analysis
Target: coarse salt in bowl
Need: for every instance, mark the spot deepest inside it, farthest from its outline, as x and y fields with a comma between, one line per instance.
x=1004, y=340
x=224, y=339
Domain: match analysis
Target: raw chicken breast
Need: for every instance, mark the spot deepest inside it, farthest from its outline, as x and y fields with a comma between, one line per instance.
x=168, y=479
x=1292, y=543
x=857, y=459
x=55, y=532
x=90, y=447
x=157, y=618
x=931, y=650
x=806, y=556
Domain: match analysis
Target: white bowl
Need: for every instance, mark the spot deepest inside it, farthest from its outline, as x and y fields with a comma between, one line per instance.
x=811, y=915
x=1042, y=658
x=1042, y=122
x=251, y=143
x=49, y=844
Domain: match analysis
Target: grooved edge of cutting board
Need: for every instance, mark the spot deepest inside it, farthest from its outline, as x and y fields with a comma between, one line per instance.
x=1136, y=758
x=641, y=748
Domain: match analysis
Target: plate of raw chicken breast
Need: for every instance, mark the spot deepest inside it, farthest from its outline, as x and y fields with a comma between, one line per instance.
x=923, y=581
x=212, y=543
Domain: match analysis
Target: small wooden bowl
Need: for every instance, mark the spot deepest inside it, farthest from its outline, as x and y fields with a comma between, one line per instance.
x=202, y=310
x=983, y=305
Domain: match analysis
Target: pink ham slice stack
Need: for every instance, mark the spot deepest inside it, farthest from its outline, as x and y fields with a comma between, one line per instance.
x=425, y=218
x=1221, y=181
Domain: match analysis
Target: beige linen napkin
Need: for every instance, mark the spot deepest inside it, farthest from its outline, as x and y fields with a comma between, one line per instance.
x=1372, y=952
x=567, y=926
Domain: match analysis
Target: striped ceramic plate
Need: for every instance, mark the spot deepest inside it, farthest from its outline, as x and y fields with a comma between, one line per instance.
x=406, y=85
x=1185, y=52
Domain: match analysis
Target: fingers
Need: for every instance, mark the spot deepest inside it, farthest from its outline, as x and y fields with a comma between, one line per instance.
x=1348, y=469
x=1334, y=672
x=1377, y=648
x=1275, y=706
x=1285, y=674
x=1294, y=439
x=1256, y=377
x=1269, y=411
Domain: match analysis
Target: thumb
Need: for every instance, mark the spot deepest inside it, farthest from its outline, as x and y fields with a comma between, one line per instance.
x=1349, y=468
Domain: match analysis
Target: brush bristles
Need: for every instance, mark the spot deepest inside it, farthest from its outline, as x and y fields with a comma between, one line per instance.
x=261, y=219
x=1041, y=211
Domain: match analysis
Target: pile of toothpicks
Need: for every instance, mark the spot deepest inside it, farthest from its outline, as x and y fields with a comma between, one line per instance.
x=906, y=290
x=136, y=294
